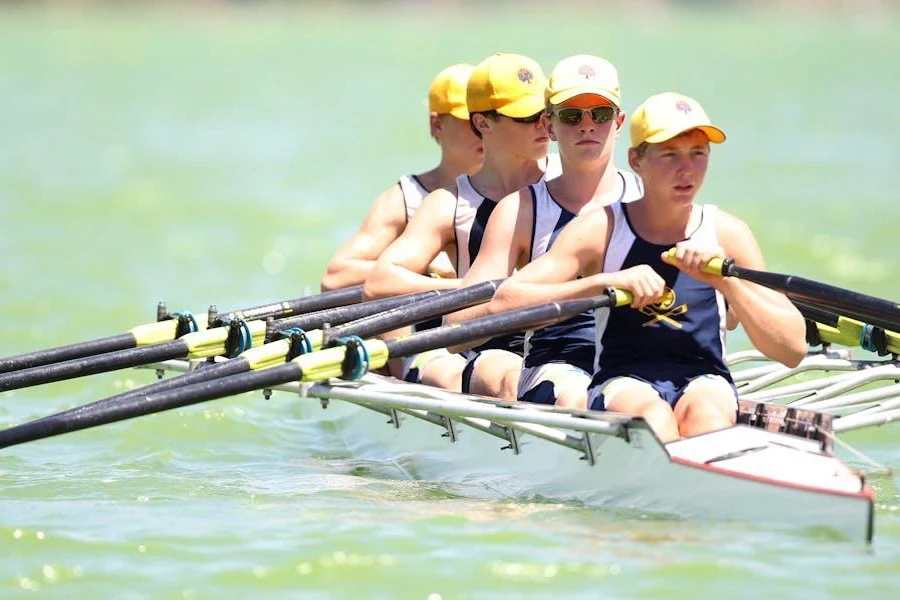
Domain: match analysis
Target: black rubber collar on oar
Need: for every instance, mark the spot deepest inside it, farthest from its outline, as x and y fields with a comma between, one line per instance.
x=862, y=307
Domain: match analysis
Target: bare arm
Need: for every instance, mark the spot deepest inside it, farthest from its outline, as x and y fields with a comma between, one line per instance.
x=579, y=251
x=400, y=268
x=355, y=259
x=772, y=322
x=503, y=248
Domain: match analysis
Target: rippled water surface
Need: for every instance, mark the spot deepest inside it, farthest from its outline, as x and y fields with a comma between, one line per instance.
x=220, y=156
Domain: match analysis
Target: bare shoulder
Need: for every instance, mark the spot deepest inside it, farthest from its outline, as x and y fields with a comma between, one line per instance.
x=388, y=210
x=738, y=240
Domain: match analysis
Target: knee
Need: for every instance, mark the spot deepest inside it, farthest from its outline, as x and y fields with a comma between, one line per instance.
x=572, y=398
x=707, y=409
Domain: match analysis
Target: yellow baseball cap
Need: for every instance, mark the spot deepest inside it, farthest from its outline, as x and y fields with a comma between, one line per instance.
x=511, y=84
x=664, y=116
x=583, y=74
x=447, y=94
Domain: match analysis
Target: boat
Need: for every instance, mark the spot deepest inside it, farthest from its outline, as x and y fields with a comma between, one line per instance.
x=776, y=466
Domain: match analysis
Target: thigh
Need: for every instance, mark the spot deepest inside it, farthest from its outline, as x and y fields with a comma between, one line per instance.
x=561, y=384
x=709, y=394
x=495, y=373
x=444, y=371
x=625, y=395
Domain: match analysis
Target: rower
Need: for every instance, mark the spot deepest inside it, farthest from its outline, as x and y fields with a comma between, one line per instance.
x=505, y=97
x=664, y=359
x=583, y=116
x=461, y=152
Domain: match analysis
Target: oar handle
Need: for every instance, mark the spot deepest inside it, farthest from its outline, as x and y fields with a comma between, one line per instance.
x=720, y=267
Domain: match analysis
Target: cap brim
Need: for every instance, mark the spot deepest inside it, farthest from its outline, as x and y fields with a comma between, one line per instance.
x=713, y=133
x=524, y=107
x=593, y=90
x=460, y=112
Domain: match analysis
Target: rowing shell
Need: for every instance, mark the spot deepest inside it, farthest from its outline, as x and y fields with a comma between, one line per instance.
x=750, y=473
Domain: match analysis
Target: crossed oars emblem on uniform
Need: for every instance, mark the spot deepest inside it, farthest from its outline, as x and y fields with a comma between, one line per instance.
x=664, y=310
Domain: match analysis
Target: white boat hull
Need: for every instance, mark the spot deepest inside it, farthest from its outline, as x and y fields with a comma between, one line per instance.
x=772, y=478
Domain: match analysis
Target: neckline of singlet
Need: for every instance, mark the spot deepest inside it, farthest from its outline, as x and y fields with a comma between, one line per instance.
x=621, y=194
x=668, y=245
x=546, y=160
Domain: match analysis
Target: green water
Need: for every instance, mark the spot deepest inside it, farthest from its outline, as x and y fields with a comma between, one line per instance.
x=208, y=155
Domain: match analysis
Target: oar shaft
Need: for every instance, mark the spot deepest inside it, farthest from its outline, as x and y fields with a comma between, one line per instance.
x=123, y=341
x=876, y=311
x=416, y=313
x=92, y=365
x=501, y=323
x=305, y=304
x=99, y=413
x=344, y=314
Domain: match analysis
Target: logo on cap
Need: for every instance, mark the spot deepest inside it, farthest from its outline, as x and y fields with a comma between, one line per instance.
x=525, y=76
x=683, y=106
x=586, y=70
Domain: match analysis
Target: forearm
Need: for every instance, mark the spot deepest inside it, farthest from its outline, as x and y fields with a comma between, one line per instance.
x=514, y=294
x=347, y=272
x=394, y=280
x=775, y=327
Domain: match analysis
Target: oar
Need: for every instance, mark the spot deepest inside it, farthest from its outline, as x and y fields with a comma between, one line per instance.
x=391, y=313
x=861, y=307
x=837, y=329
x=347, y=360
x=238, y=336
x=170, y=328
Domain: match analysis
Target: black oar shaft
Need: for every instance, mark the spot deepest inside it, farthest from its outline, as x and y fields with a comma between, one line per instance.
x=279, y=310
x=498, y=324
x=123, y=341
x=92, y=365
x=421, y=311
x=344, y=314
x=98, y=413
x=862, y=307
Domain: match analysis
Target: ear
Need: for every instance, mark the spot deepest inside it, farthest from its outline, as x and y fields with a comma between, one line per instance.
x=634, y=161
x=481, y=123
x=435, y=124
x=548, y=125
x=620, y=122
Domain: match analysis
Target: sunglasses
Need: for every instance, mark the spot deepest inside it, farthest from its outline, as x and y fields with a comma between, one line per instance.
x=493, y=114
x=599, y=114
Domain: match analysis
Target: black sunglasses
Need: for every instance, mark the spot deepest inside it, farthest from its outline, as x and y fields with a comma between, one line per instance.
x=599, y=114
x=528, y=120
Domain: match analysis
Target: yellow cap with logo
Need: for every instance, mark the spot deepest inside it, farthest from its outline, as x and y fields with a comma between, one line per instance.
x=664, y=116
x=447, y=94
x=583, y=74
x=511, y=84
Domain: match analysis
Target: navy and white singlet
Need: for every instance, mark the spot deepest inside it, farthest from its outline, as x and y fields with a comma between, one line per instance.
x=413, y=193
x=674, y=341
x=570, y=341
x=472, y=213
